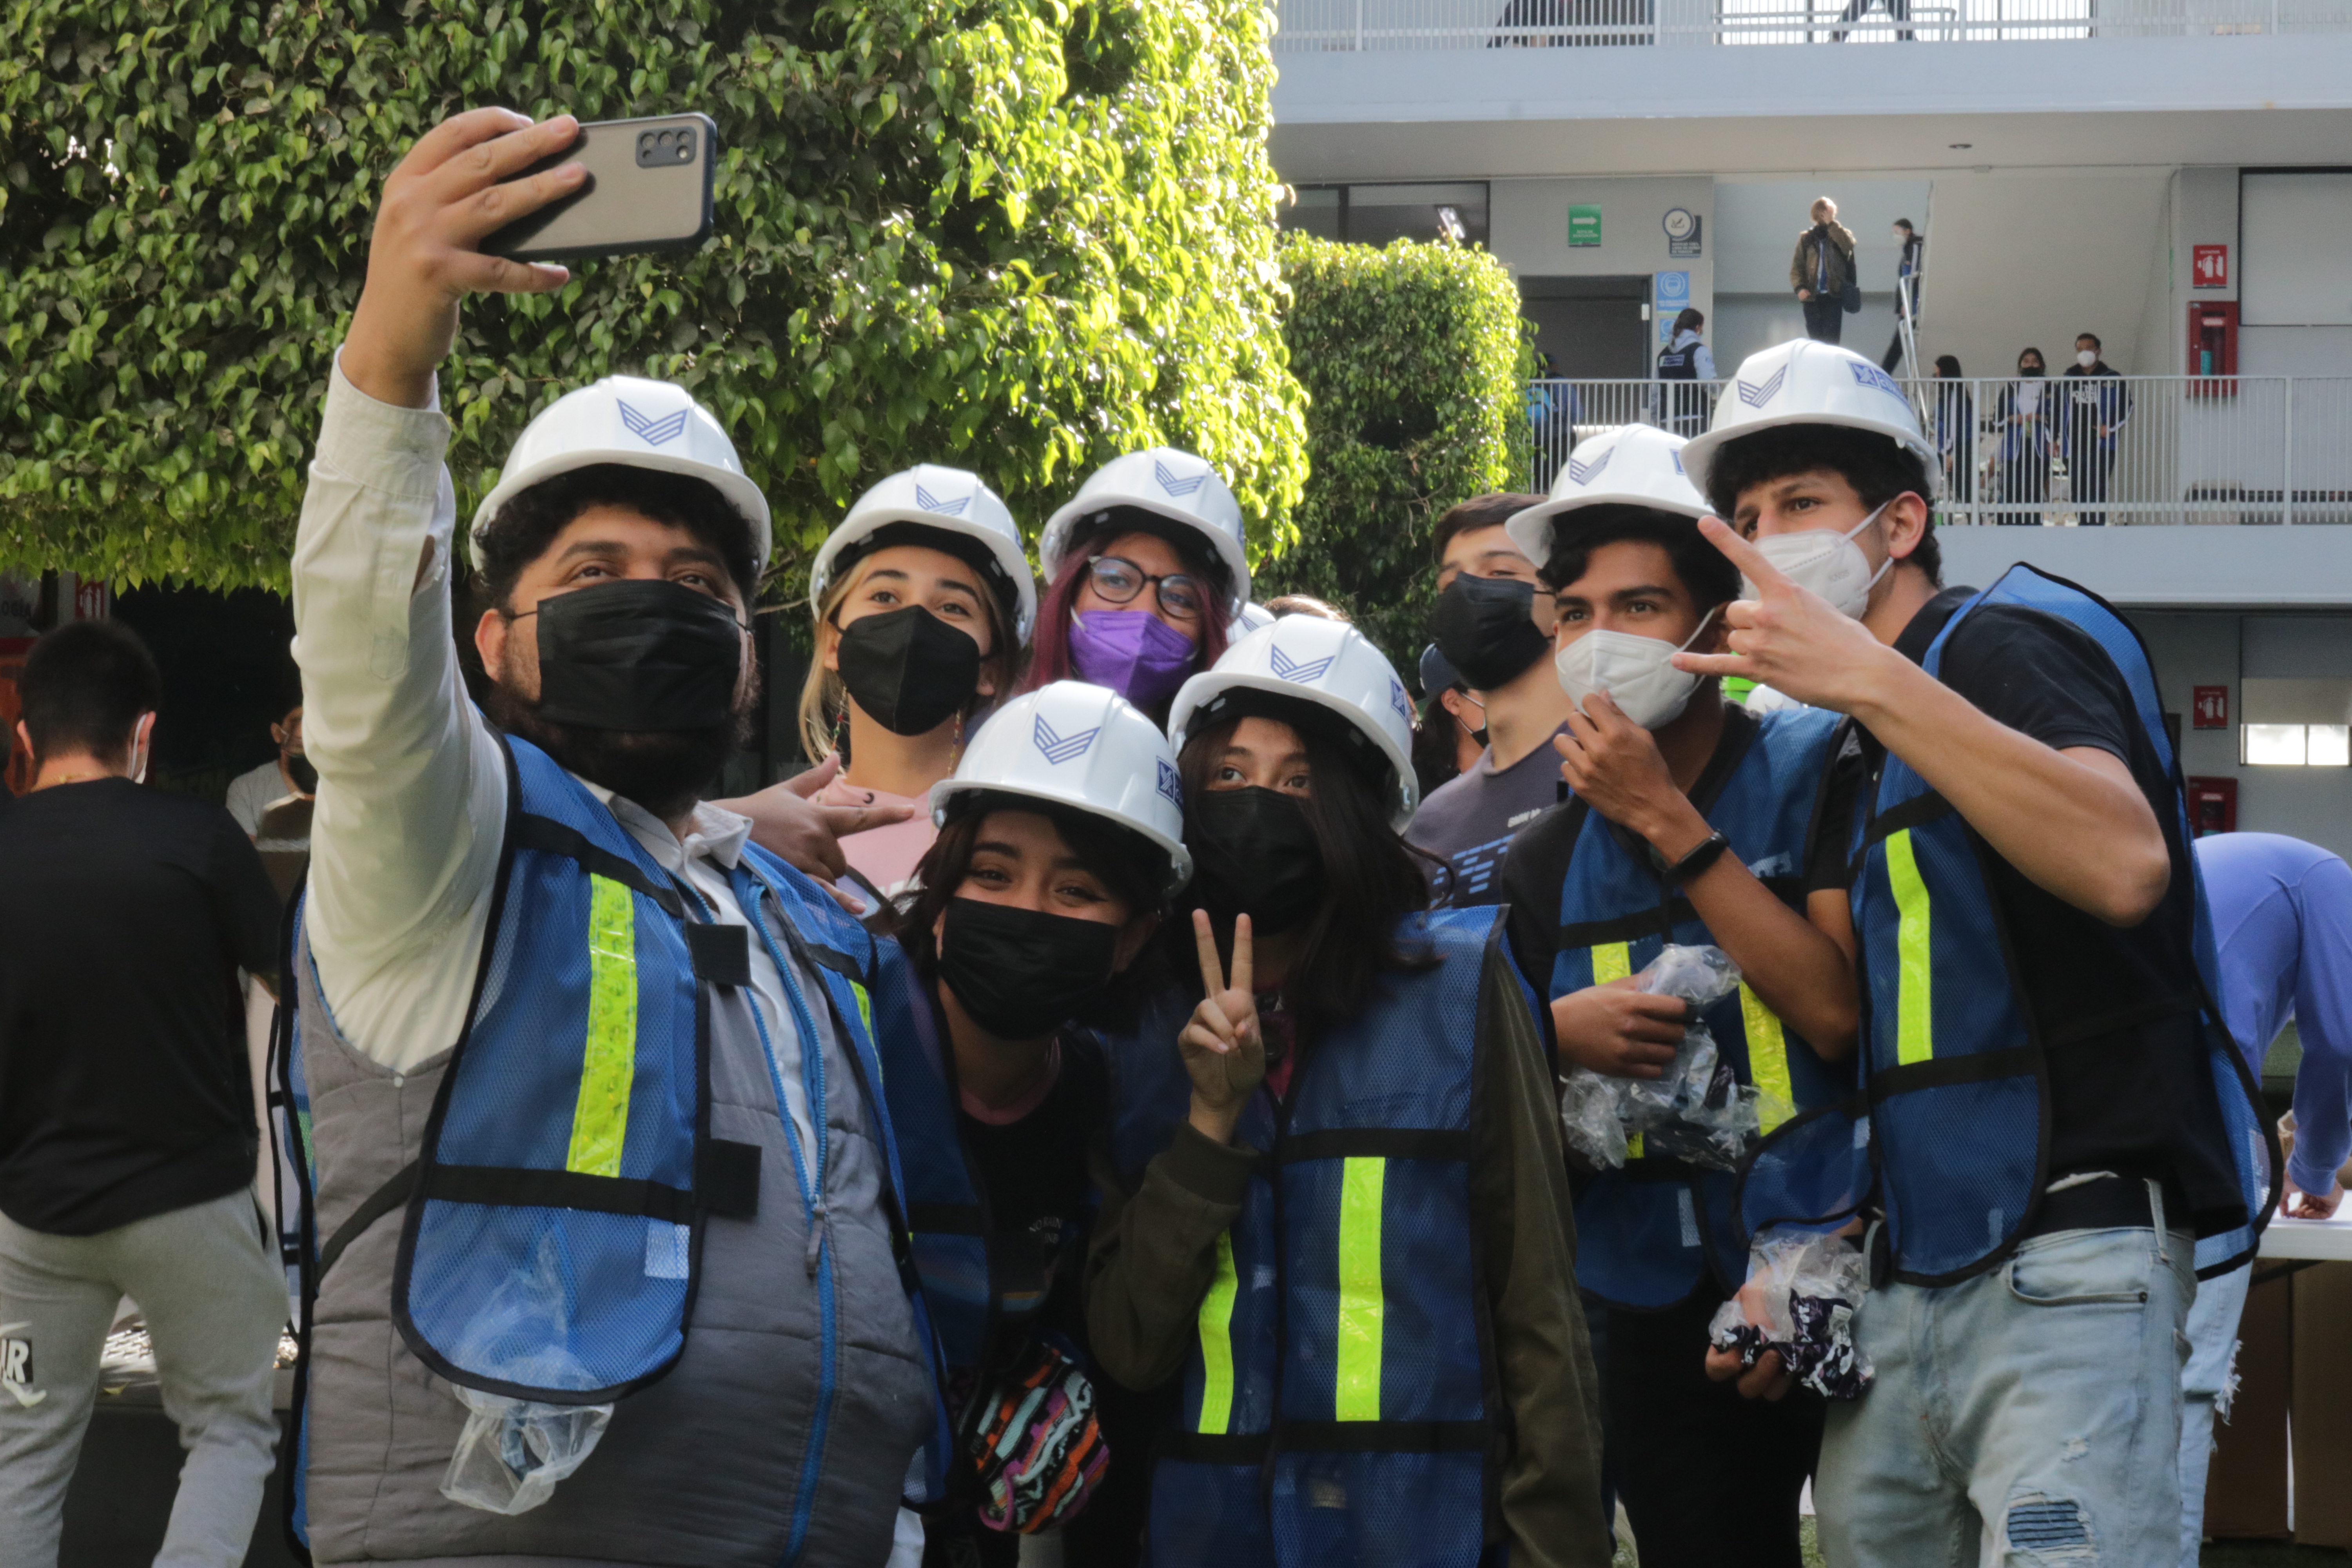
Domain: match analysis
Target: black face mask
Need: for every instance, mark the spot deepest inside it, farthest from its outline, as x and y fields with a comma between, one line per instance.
x=1254, y=854
x=1486, y=627
x=2031, y=370
x=305, y=776
x=637, y=655
x=909, y=671
x=1020, y=973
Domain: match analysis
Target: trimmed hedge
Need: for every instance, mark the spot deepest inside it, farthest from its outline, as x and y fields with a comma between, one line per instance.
x=1014, y=234
x=1413, y=358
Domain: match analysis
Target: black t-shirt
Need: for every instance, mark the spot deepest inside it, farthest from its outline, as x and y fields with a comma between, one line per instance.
x=1537, y=866
x=2129, y=1092
x=1038, y=1189
x=124, y=915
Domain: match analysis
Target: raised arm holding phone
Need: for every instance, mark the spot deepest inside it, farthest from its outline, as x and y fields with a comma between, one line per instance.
x=688, y=1221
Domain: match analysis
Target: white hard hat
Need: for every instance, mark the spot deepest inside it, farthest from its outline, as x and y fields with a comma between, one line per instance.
x=1084, y=747
x=948, y=500
x=1327, y=664
x=1171, y=484
x=637, y=424
x=1253, y=616
x=1807, y=383
x=1633, y=465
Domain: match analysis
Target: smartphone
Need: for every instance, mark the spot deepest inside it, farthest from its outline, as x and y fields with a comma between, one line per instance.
x=648, y=188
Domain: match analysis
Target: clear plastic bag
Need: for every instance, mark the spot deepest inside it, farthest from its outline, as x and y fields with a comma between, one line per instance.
x=1697, y=1110
x=1803, y=1289
x=1588, y=1112
x=512, y=1452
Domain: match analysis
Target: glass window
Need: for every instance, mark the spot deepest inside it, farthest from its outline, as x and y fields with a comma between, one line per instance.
x=2273, y=745
x=2328, y=746
x=1319, y=210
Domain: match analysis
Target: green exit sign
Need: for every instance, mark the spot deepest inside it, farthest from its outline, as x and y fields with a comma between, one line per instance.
x=1584, y=227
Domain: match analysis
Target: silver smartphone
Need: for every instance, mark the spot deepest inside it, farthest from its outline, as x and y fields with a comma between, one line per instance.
x=648, y=188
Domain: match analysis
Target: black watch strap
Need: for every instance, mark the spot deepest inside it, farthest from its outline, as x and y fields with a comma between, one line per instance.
x=1698, y=859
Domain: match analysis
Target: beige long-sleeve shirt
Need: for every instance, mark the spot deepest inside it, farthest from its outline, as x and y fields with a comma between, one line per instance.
x=1154, y=1255
x=412, y=795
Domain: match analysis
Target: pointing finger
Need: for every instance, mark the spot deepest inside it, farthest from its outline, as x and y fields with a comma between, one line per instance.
x=1241, y=964
x=1716, y=664
x=1742, y=555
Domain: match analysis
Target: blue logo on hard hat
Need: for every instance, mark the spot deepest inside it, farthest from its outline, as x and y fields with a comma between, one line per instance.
x=1300, y=670
x=1168, y=785
x=1398, y=701
x=1174, y=485
x=930, y=503
x=1870, y=375
x=1758, y=395
x=1057, y=748
x=1677, y=456
x=653, y=432
x=1585, y=473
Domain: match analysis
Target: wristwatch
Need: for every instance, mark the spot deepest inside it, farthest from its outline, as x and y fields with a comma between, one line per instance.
x=1698, y=859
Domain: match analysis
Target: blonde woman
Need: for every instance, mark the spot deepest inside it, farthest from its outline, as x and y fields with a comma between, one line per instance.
x=923, y=603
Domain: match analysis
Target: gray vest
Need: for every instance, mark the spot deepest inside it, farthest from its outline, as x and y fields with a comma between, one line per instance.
x=699, y=1469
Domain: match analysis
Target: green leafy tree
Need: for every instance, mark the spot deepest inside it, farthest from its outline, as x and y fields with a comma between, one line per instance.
x=1018, y=236
x=1414, y=358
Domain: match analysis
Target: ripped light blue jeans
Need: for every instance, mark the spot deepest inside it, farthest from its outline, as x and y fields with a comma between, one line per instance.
x=2029, y=1416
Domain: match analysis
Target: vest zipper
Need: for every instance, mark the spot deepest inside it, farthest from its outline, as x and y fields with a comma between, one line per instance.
x=816, y=1215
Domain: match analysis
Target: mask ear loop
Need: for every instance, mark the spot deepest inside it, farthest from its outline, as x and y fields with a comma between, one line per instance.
x=1886, y=565
x=1702, y=625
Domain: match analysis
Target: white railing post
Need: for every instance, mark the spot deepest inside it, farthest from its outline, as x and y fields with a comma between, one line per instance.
x=2286, y=453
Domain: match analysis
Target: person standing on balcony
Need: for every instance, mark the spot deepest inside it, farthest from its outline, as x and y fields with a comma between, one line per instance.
x=1909, y=245
x=1495, y=631
x=1822, y=270
x=2025, y=412
x=1956, y=429
x=2095, y=413
x=1687, y=359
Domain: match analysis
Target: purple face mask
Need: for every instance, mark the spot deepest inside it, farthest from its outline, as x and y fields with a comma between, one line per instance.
x=1133, y=652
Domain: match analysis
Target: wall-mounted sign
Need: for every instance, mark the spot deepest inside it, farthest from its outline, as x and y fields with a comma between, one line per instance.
x=1671, y=292
x=2209, y=266
x=2210, y=708
x=1682, y=227
x=1583, y=226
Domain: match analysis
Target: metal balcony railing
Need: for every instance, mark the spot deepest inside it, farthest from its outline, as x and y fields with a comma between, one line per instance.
x=1316, y=26
x=2060, y=452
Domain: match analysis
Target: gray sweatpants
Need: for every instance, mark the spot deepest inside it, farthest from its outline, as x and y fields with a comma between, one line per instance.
x=215, y=1302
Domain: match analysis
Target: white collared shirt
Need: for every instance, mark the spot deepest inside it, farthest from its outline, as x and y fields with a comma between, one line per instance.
x=412, y=795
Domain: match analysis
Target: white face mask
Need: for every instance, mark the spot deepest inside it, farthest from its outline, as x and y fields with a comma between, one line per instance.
x=1830, y=564
x=138, y=761
x=2087, y=358
x=1634, y=670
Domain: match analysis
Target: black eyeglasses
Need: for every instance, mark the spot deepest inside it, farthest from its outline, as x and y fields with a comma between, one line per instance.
x=1120, y=580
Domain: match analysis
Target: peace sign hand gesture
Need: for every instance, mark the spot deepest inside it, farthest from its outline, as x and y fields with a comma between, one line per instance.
x=1789, y=637
x=1222, y=1048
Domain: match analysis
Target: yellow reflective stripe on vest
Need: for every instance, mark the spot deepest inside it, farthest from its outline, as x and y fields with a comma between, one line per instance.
x=1915, y=1016
x=1768, y=1060
x=1614, y=961
x=600, y=1124
x=1362, y=1302
x=1217, y=1341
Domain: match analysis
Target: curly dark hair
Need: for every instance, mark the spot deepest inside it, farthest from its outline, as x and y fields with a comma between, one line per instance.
x=530, y=521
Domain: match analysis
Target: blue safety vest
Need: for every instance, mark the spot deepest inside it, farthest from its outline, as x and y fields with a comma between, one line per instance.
x=1647, y=1235
x=947, y=1206
x=572, y=1122
x=1949, y=1138
x=1338, y=1402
